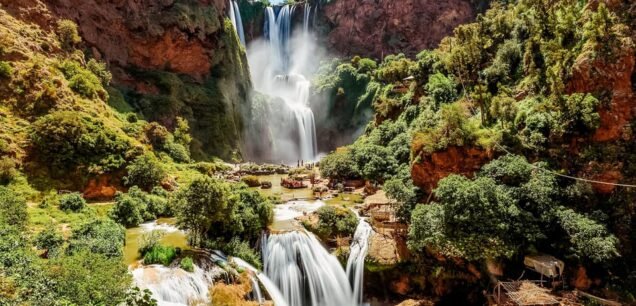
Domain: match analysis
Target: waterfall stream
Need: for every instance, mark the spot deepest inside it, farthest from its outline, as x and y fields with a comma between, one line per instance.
x=279, y=67
x=303, y=270
x=237, y=21
x=357, y=253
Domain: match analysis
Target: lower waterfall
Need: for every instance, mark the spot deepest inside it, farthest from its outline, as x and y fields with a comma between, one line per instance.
x=357, y=253
x=304, y=271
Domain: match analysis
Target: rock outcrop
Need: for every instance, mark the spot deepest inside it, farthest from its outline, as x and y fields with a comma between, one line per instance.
x=453, y=160
x=380, y=27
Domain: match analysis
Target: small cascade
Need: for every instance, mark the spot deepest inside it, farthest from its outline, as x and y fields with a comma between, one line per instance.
x=271, y=289
x=172, y=286
x=303, y=270
x=237, y=21
x=357, y=253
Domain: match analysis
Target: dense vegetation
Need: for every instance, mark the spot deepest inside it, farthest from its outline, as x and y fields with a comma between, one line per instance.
x=507, y=85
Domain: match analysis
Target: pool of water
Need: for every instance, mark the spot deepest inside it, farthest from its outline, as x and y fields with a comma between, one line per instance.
x=285, y=214
x=172, y=237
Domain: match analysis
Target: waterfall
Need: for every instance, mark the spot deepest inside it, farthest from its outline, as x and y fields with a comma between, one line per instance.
x=357, y=253
x=278, y=68
x=303, y=270
x=237, y=21
x=271, y=289
x=174, y=286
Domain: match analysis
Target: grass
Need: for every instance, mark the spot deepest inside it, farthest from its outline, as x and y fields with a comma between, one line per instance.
x=345, y=200
x=39, y=218
x=160, y=254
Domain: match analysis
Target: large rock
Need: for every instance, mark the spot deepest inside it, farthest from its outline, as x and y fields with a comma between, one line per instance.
x=381, y=27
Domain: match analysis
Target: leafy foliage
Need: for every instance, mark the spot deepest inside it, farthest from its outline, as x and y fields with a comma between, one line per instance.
x=98, y=236
x=68, y=140
x=335, y=221
x=72, y=202
x=145, y=171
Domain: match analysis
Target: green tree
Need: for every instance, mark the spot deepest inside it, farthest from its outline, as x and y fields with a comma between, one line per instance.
x=339, y=165
x=335, y=221
x=441, y=88
x=145, y=171
x=200, y=204
x=99, y=236
x=589, y=238
x=72, y=202
x=88, y=278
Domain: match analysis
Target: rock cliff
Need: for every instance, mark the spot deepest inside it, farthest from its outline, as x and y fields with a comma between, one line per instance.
x=381, y=27
x=168, y=58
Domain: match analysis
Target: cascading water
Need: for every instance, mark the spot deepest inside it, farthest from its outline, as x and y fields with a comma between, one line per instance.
x=278, y=69
x=357, y=253
x=237, y=21
x=303, y=270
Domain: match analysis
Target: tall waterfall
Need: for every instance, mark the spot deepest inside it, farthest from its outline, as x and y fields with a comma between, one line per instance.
x=237, y=21
x=278, y=68
x=303, y=270
x=357, y=253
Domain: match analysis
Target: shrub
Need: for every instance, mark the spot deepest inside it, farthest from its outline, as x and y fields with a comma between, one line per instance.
x=441, y=88
x=177, y=152
x=367, y=65
x=72, y=202
x=87, y=278
x=87, y=85
x=12, y=208
x=7, y=170
x=128, y=210
x=68, y=34
x=5, y=70
x=149, y=240
x=98, y=235
x=131, y=117
x=50, y=239
x=100, y=70
x=251, y=181
x=187, y=264
x=50, y=200
x=66, y=140
x=335, y=221
x=339, y=165
x=145, y=171
x=160, y=254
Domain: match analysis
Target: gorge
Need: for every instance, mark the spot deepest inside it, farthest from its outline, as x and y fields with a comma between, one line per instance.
x=319, y=152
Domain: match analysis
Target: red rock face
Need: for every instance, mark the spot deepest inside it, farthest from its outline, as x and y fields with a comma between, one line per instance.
x=596, y=75
x=453, y=160
x=126, y=32
x=381, y=27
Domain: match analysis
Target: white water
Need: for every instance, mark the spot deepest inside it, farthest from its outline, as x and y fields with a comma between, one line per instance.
x=270, y=287
x=357, y=253
x=237, y=21
x=303, y=270
x=174, y=286
x=278, y=65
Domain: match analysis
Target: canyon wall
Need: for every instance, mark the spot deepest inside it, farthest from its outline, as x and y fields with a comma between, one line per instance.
x=169, y=58
x=380, y=27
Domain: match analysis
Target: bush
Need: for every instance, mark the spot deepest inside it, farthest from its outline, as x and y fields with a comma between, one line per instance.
x=98, y=235
x=50, y=239
x=128, y=210
x=441, y=88
x=68, y=34
x=149, y=240
x=137, y=206
x=335, y=221
x=145, y=171
x=66, y=140
x=72, y=202
x=339, y=165
x=187, y=264
x=177, y=152
x=131, y=118
x=237, y=248
x=87, y=85
x=251, y=181
x=100, y=70
x=160, y=254
x=13, y=209
x=7, y=170
x=5, y=70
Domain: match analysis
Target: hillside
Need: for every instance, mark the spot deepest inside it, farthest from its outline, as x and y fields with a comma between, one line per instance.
x=493, y=142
